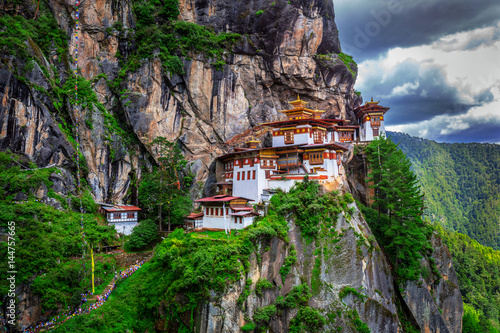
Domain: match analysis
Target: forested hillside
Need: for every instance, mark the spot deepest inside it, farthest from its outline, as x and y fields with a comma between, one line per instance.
x=461, y=183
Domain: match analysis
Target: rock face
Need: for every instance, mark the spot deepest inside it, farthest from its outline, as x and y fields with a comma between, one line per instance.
x=348, y=258
x=287, y=48
x=436, y=303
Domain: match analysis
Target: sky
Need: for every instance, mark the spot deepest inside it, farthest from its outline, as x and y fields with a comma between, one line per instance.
x=435, y=63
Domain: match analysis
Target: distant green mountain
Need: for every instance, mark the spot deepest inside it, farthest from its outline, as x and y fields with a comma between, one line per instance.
x=461, y=183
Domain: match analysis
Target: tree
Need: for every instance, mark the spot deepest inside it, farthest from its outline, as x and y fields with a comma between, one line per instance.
x=166, y=186
x=142, y=235
x=398, y=197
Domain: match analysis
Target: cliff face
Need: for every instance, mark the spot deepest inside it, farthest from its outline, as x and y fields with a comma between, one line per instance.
x=287, y=48
x=349, y=257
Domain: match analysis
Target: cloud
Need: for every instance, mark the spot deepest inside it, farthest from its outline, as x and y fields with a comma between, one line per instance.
x=368, y=28
x=478, y=124
x=470, y=40
x=422, y=82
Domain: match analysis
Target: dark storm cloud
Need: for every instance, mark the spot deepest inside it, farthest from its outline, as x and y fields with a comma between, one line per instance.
x=369, y=28
x=417, y=93
x=477, y=132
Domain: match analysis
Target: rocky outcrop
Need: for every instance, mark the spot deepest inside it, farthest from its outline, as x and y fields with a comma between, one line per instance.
x=287, y=48
x=348, y=258
x=436, y=301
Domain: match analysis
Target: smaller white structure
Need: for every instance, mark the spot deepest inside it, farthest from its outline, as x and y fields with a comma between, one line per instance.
x=371, y=120
x=123, y=217
x=224, y=212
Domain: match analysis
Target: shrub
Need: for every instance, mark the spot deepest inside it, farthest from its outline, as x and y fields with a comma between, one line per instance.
x=142, y=235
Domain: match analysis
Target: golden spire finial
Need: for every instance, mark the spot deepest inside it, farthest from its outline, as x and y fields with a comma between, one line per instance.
x=372, y=98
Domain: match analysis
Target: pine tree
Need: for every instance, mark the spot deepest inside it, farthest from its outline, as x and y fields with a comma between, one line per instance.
x=164, y=190
x=399, y=201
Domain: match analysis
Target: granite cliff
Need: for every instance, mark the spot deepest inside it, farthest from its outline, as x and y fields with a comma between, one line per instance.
x=286, y=48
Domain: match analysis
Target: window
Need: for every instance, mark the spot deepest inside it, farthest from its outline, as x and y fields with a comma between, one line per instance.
x=375, y=132
x=346, y=136
x=248, y=175
x=241, y=220
x=211, y=211
x=118, y=216
x=130, y=215
x=253, y=174
x=243, y=175
x=316, y=158
x=289, y=137
x=238, y=175
x=227, y=211
x=318, y=136
x=206, y=211
x=268, y=174
x=376, y=121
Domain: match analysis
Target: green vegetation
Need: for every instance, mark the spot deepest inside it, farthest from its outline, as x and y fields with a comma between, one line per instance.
x=478, y=271
x=45, y=237
x=259, y=12
x=263, y=315
x=349, y=62
x=63, y=284
x=43, y=31
x=246, y=292
x=397, y=221
x=347, y=290
x=165, y=190
x=142, y=235
x=461, y=182
x=158, y=34
x=289, y=262
x=188, y=269
x=358, y=324
x=307, y=320
x=261, y=285
x=309, y=206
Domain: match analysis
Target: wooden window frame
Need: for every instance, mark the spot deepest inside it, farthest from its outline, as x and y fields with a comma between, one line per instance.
x=318, y=136
x=253, y=174
x=289, y=136
x=248, y=175
x=376, y=132
x=243, y=175
x=238, y=175
x=316, y=158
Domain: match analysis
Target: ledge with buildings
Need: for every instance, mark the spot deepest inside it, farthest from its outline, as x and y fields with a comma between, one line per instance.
x=304, y=144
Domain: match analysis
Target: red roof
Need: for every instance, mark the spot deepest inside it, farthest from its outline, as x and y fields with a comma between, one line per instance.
x=194, y=216
x=124, y=208
x=221, y=198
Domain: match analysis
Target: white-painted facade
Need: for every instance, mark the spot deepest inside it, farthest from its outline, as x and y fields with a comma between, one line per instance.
x=367, y=129
x=125, y=228
x=230, y=222
x=123, y=217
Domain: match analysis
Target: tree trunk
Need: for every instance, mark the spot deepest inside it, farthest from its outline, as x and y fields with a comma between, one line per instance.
x=169, y=220
x=159, y=218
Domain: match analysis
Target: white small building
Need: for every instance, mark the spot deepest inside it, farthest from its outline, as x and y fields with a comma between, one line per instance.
x=123, y=217
x=225, y=212
x=371, y=120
